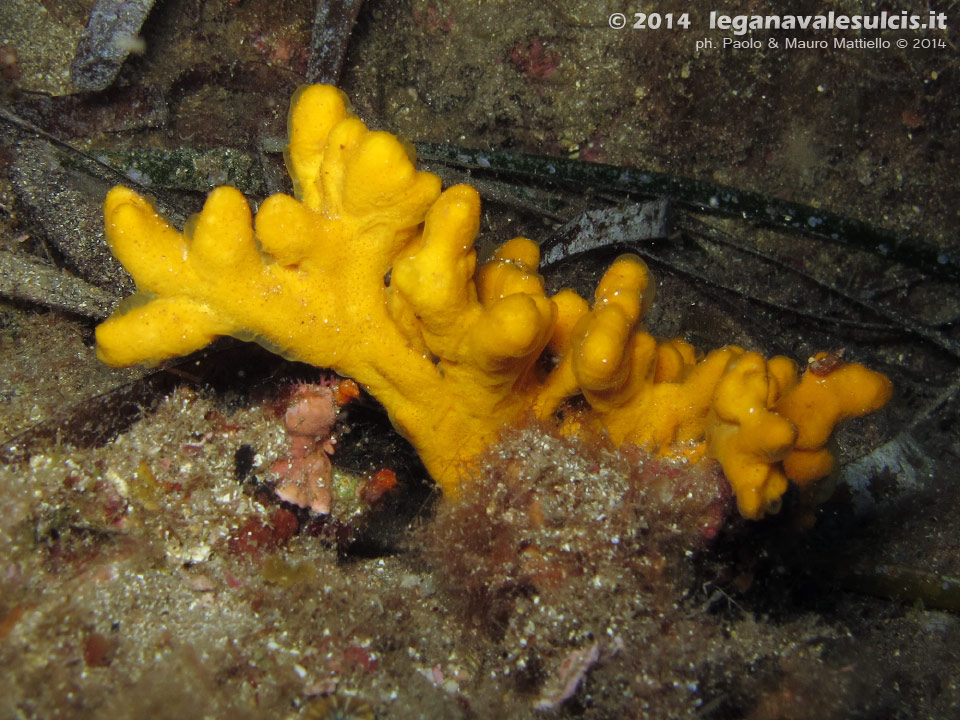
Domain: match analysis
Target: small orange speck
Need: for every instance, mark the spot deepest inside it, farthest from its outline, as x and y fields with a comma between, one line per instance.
x=376, y=487
x=346, y=391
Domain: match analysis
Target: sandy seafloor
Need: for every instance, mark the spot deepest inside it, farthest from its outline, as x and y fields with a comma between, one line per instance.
x=147, y=569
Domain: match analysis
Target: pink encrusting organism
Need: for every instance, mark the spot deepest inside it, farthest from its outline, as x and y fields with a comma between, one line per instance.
x=304, y=478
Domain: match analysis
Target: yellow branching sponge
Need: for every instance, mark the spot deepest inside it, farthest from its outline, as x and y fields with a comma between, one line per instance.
x=763, y=423
x=371, y=271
